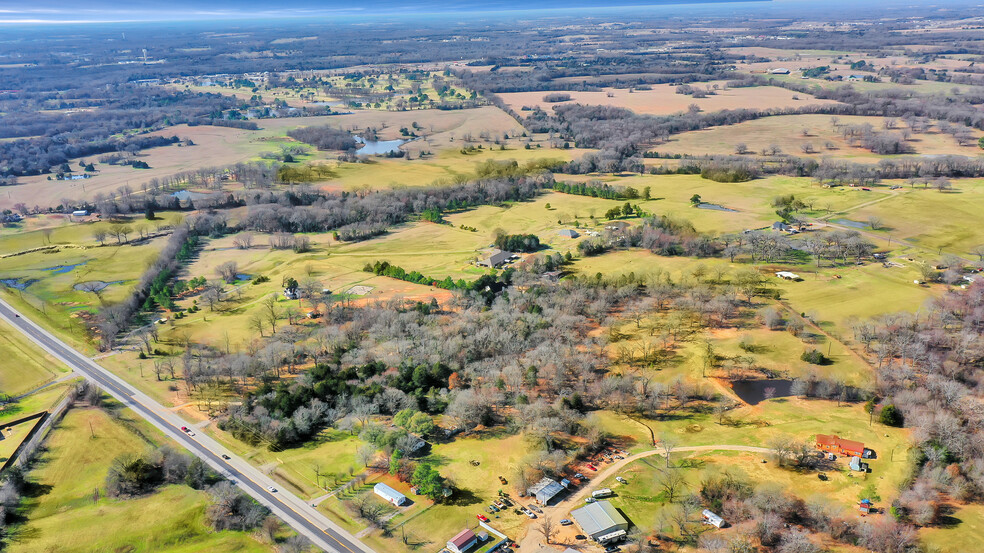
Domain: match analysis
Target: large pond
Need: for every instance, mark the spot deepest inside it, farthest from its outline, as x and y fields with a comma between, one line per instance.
x=753, y=392
x=378, y=147
x=62, y=269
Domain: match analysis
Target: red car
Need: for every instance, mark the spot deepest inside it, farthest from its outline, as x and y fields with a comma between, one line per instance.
x=184, y=428
x=592, y=467
x=482, y=518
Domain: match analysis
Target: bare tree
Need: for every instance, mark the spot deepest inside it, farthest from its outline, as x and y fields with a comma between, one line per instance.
x=672, y=482
x=667, y=444
x=243, y=240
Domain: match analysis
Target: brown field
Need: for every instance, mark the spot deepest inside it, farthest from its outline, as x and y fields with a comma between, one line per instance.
x=219, y=146
x=787, y=131
x=663, y=99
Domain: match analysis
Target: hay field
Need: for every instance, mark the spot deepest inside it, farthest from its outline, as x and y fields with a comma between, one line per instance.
x=788, y=132
x=663, y=99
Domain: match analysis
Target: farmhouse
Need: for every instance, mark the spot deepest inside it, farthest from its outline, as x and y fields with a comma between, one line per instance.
x=713, y=519
x=495, y=259
x=545, y=491
x=781, y=227
x=463, y=541
x=836, y=444
x=569, y=233
x=292, y=293
x=601, y=522
x=389, y=494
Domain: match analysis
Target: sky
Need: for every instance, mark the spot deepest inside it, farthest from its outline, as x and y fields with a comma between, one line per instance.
x=81, y=11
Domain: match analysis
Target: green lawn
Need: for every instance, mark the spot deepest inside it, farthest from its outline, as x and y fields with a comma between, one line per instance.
x=67, y=517
x=24, y=366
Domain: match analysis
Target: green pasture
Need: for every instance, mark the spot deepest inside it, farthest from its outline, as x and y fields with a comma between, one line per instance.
x=70, y=517
x=24, y=365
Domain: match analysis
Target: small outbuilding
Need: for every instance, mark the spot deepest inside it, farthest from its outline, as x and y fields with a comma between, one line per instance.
x=865, y=506
x=389, y=494
x=463, y=541
x=545, y=490
x=569, y=233
x=786, y=275
x=858, y=465
x=713, y=519
x=80, y=213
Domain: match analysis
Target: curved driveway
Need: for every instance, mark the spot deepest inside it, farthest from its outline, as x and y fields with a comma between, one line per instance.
x=559, y=511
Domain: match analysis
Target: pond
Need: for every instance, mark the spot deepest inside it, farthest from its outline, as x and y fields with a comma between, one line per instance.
x=378, y=147
x=62, y=269
x=185, y=195
x=94, y=285
x=850, y=223
x=16, y=283
x=753, y=392
x=716, y=207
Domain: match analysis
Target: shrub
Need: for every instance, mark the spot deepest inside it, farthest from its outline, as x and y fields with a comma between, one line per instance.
x=815, y=357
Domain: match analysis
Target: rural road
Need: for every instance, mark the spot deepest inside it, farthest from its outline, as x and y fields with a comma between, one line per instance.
x=296, y=512
x=562, y=509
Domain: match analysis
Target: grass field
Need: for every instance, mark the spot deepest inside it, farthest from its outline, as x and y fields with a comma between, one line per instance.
x=35, y=403
x=68, y=517
x=931, y=219
x=24, y=366
x=663, y=99
x=788, y=132
x=961, y=533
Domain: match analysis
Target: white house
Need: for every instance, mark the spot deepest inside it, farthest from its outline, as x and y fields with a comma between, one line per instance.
x=389, y=494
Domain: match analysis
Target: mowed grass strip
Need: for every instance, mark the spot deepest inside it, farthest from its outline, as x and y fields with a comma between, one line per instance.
x=25, y=366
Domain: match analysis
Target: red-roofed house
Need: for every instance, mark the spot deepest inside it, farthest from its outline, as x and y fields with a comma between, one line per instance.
x=465, y=540
x=836, y=444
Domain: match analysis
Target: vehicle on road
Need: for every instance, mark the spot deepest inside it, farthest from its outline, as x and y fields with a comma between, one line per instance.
x=226, y=457
x=184, y=428
x=271, y=489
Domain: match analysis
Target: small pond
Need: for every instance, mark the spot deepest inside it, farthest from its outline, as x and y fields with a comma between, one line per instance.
x=753, y=392
x=185, y=195
x=62, y=269
x=850, y=223
x=94, y=285
x=716, y=207
x=16, y=283
x=378, y=147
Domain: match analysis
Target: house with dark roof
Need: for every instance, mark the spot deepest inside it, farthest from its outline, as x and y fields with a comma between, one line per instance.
x=601, y=521
x=836, y=444
x=463, y=541
x=781, y=227
x=545, y=490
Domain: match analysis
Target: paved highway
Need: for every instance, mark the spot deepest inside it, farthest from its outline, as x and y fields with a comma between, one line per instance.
x=305, y=519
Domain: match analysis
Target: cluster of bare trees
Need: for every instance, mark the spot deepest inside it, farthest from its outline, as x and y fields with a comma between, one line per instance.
x=928, y=370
